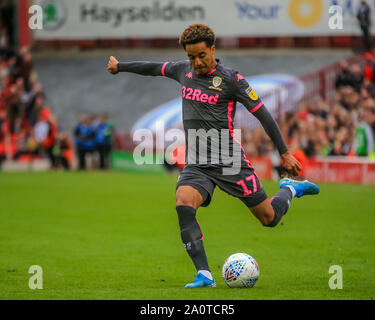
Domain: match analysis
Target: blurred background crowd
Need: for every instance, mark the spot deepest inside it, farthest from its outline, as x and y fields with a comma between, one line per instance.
x=343, y=125
x=28, y=128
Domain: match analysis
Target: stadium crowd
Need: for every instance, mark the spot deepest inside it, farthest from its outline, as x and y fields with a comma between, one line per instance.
x=343, y=125
x=28, y=128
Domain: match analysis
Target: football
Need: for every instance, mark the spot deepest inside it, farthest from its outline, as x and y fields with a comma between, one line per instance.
x=240, y=270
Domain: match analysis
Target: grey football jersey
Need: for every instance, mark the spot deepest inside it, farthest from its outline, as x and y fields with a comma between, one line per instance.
x=208, y=109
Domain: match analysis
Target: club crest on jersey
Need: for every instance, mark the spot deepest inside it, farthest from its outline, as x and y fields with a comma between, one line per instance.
x=251, y=93
x=216, y=81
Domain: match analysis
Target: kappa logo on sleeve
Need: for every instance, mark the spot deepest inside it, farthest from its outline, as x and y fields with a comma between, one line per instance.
x=239, y=77
x=251, y=93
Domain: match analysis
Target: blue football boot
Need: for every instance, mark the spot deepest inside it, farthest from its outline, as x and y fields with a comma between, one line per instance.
x=201, y=281
x=302, y=188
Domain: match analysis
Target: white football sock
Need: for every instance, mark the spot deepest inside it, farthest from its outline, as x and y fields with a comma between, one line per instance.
x=291, y=188
x=206, y=273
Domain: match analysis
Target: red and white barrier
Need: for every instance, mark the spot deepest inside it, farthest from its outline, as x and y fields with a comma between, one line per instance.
x=341, y=170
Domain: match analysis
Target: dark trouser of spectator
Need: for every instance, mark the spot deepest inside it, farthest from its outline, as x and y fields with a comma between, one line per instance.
x=62, y=161
x=366, y=38
x=104, y=153
x=13, y=114
x=2, y=158
x=51, y=157
x=82, y=158
x=65, y=163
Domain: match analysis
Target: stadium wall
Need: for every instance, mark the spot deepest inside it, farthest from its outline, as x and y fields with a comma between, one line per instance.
x=341, y=170
x=331, y=169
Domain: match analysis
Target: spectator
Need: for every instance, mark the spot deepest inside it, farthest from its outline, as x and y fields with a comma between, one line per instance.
x=356, y=78
x=348, y=98
x=344, y=76
x=50, y=140
x=369, y=68
x=63, y=151
x=363, y=17
x=369, y=86
x=41, y=130
x=364, y=138
x=89, y=135
x=26, y=124
x=103, y=140
x=3, y=40
x=79, y=136
x=13, y=105
x=26, y=145
x=34, y=103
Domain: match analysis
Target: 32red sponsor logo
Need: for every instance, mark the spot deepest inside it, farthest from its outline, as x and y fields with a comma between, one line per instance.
x=197, y=95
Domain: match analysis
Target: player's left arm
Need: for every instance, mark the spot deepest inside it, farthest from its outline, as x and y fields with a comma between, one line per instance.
x=247, y=96
x=146, y=68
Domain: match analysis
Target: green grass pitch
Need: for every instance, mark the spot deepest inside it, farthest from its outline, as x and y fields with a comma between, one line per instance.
x=115, y=236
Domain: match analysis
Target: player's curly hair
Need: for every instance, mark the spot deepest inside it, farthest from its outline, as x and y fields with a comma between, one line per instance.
x=196, y=33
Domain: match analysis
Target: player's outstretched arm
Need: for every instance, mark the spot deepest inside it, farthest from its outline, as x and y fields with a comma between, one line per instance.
x=144, y=68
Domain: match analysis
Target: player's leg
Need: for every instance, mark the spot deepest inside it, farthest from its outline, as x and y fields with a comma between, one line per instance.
x=194, y=189
x=270, y=212
x=188, y=200
x=247, y=187
x=188, y=196
x=264, y=212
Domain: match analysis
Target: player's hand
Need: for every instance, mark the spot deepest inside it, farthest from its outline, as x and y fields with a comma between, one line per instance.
x=290, y=163
x=112, y=66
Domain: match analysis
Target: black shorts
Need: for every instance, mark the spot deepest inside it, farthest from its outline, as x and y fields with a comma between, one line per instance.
x=244, y=185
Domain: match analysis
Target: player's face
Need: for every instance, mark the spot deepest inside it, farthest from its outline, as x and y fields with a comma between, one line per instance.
x=201, y=57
